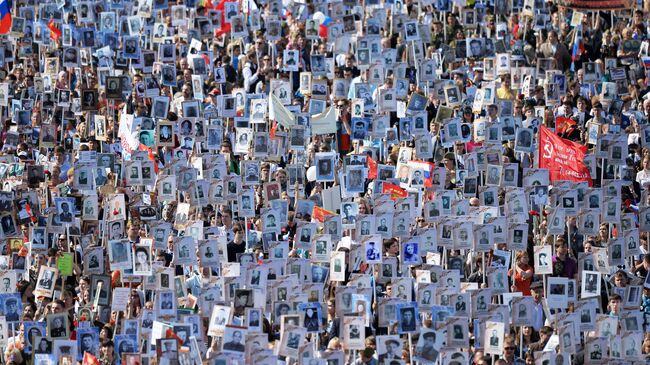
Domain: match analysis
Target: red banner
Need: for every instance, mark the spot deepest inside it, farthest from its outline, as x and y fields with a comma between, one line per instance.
x=90, y=359
x=564, y=159
x=596, y=5
x=225, y=27
x=319, y=213
x=394, y=190
x=562, y=124
x=55, y=32
x=372, y=168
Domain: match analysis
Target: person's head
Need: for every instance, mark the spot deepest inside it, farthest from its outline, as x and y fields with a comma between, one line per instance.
x=509, y=346
x=561, y=248
x=545, y=333
x=614, y=303
x=537, y=291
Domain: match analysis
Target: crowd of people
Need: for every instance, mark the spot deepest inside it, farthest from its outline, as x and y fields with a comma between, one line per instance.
x=191, y=182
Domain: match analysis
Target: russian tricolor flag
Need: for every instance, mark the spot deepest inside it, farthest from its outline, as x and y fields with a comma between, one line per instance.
x=5, y=16
x=646, y=62
x=578, y=46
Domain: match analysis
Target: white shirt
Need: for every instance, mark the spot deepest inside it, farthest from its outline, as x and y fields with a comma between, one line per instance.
x=249, y=77
x=643, y=178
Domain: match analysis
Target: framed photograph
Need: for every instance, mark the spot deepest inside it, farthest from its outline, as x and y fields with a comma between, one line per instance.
x=522, y=310
x=100, y=289
x=233, y=341
x=57, y=325
x=457, y=332
x=325, y=165
x=353, y=332
x=167, y=348
x=411, y=31
x=48, y=136
x=64, y=348
x=160, y=107
x=407, y=318
x=142, y=258
x=542, y=259
x=291, y=60
x=89, y=99
x=94, y=260
x=166, y=303
x=114, y=87
x=524, y=140
x=184, y=251
x=557, y=289
x=45, y=283
x=590, y=284
x=119, y=254
x=452, y=96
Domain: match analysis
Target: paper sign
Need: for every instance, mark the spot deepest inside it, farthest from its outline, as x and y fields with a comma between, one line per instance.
x=120, y=298
x=64, y=264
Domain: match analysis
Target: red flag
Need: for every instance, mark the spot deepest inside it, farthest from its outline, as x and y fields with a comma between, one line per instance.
x=150, y=155
x=171, y=334
x=562, y=124
x=55, y=32
x=206, y=59
x=225, y=27
x=564, y=159
x=394, y=190
x=274, y=129
x=28, y=209
x=319, y=214
x=90, y=359
x=372, y=168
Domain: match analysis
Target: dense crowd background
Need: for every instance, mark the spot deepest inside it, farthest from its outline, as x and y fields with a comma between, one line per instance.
x=324, y=182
